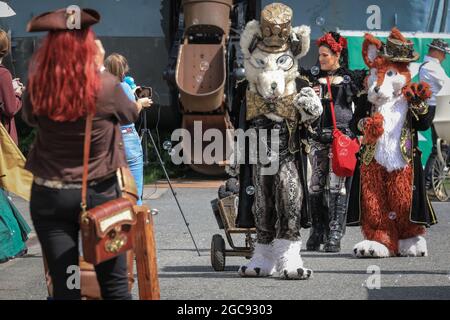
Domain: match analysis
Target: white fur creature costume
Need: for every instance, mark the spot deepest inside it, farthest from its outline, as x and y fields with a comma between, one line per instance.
x=272, y=49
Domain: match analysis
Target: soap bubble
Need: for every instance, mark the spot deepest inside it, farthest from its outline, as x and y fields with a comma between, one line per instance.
x=204, y=65
x=199, y=78
x=320, y=21
x=347, y=79
x=392, y=215
x=167, y=145
x=315, y=70
x=250, y=190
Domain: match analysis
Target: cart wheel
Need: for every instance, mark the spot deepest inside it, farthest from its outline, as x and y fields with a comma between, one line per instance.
x=440, y=179
x=218, y=253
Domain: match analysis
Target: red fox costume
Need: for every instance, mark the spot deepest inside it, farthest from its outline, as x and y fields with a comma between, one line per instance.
x=388, y=196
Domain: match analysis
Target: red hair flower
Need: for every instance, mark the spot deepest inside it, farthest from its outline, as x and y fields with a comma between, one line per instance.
x=335, y=46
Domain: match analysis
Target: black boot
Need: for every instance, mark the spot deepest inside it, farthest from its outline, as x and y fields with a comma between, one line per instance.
x=337, y=217
x=317, y=233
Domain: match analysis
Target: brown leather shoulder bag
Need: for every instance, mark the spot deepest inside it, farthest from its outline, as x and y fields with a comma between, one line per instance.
x=106, y=230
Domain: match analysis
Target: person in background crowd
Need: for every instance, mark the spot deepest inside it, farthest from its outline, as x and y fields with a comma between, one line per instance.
x=13, y=228
x=10, y=90
x=117, y=65
x=431, y=72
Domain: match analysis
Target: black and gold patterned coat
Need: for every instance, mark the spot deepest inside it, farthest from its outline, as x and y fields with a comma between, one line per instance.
x=297, y=145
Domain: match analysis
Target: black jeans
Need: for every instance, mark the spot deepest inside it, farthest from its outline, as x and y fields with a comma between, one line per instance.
x=55, y=214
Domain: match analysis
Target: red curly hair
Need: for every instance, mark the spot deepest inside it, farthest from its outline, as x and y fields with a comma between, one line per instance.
x=63, y=77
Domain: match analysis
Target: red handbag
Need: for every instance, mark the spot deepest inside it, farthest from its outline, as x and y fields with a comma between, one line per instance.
x=343, y=148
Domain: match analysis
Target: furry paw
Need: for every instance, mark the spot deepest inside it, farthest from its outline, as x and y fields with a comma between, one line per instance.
x=300, y=273
x=417, y=92
x=261, y=264
x=289, y=262
x=256, y=269
x=413, y=247
x=308, y=104
x=370, y=249
x=373, y=128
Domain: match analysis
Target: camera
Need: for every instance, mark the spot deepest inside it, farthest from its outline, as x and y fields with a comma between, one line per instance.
x=143, y=92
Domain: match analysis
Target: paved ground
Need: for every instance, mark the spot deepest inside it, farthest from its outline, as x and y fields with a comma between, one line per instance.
x=185, y=275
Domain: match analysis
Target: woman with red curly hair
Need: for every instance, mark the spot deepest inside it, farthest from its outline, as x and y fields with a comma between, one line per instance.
x=329, y=212
x=65, y=84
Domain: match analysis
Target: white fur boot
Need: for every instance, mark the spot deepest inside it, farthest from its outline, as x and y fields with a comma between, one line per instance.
x=370, y=249
x=261, y=264
x=413, y=247
x=289, y=262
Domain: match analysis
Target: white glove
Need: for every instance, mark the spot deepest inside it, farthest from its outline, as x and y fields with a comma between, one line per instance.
x=308, y=104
